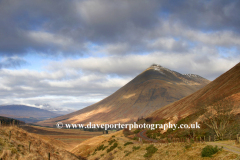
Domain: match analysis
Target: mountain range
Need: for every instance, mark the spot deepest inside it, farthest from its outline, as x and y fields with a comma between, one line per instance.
x=26, y=113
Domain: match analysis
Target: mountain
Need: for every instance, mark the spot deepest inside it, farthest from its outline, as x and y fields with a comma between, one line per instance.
x=25, y=113
x=226, y=85
x=152, y=89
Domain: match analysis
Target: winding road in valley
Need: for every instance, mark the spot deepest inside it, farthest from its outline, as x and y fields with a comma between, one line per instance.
x=143, y=135
x=227, y=147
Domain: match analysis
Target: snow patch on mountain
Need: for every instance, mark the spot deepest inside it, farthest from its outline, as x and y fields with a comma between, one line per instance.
x=192, y=75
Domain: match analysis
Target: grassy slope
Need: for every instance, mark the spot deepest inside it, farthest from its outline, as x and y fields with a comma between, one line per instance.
x=17, y=146
x=168, y=152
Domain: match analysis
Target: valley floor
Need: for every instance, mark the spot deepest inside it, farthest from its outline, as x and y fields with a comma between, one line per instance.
x=71, y=137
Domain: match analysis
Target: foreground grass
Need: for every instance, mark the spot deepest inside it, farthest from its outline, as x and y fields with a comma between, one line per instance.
x=136, y=150
x=15, y=143
x=168, y=152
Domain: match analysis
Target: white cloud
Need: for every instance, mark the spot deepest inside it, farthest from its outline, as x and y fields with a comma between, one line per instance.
x=31, y=87
x=50, y=38
x=225, y=38
x=204, y=61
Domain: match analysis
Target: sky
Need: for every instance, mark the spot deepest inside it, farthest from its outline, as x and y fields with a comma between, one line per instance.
x=64, y=55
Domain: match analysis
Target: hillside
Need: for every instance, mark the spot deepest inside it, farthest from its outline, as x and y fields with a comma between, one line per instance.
x=226, y=85
x=9, y=121
x=15, y=145
x=25, y=113
x=103, y=147
x=152, y=89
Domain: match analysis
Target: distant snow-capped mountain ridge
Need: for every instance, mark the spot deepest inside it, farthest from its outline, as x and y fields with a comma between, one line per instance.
x=25, y=113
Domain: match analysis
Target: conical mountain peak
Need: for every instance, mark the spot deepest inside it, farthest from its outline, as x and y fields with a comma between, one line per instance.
x=157, y=71
x=154, y=88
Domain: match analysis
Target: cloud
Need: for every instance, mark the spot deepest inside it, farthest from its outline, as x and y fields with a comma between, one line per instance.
x=123, y=27
x=205, y=15
x=106, y=20
x=169, y=44
x=202, y=60
x=12, y=62
x=21, y=19
x=24, y=86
